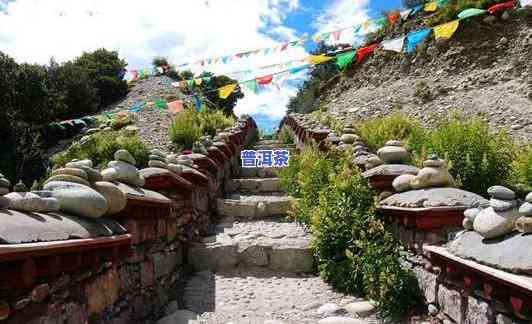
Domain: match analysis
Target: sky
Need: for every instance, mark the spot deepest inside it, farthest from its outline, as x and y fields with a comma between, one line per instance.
x=33, y=31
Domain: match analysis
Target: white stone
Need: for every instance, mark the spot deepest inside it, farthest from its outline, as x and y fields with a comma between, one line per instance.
x=328, y=309
x=26, y=201
x=502, y=205
x=491, y=224
x=390, y=154
x=402, y=182
x=125, y=156
x=116, y=198
x=471, y=213
x=124, y=172
x=362, y=308
x=525, y=209
x=79, y=164
x=500, y=192
x=181, y=316
x=340, y=320
x=431, y=177
x=529, y=198
x=78, y=199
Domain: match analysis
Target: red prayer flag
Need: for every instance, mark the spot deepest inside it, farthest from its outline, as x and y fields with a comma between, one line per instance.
x=365, y=51
x=175, y=107
x=265, y=79
x=501, y=6
x=393, y=18
x=336, y=35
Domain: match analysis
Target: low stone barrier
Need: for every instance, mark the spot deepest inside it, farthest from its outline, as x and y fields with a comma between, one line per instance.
x=120, y=268
x=425, y=217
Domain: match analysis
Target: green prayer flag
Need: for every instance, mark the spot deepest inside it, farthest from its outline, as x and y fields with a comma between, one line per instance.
x=470, y=13
x=381, y=22
x=109, y=116
x=344, y=59
x=190, y=83
x=161, y=104
x=251, y=85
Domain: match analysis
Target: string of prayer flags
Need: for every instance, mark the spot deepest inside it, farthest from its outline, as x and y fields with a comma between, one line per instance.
x=380, y=22
x=251, y=85
x=319, y=59
x=416, y=9
x=431, y=6
x=175, y=107
x=394, y=17
x=405, y=14
x=137, y=107
x=471, y=12
x=226, y=91
x=501, y=6
x=265, y=79
x=161, y=104
x=446, y=31
x=413, y=39
x=365, y=51
x=442, y=3
x=395, y=45
x=298, y=69
x=344, y=59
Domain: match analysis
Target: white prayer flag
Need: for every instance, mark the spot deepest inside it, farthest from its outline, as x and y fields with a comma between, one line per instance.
x=525, y=3
x=405, y=14
x=395, y=45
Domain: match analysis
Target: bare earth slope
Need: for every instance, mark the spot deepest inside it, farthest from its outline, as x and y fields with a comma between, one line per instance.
x=486, y=69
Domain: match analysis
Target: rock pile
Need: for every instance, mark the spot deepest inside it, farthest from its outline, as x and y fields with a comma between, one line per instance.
x=157, y=159
x=123, y=169
x=393, y=152
x=25, y=201
x=433, y=174
x=5, y=185
x=524, y=223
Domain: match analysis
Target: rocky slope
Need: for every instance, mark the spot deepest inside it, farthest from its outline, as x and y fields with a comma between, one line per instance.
x=485, y=69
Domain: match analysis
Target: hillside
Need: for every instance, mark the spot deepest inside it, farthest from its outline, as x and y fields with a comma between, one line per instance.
x=484, y=69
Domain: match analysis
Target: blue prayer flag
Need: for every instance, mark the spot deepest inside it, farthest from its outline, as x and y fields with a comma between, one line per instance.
x=415, y=38
x=197, y=102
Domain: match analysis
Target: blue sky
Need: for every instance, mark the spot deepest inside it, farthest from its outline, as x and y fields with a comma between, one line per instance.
x=183, y=31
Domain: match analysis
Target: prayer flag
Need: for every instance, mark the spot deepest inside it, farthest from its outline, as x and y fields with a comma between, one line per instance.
x=381, y=22
x=363, y=52
x=197, y=102
x=190, y=83
x=431, y=6
x=394, y=17
x=446, y=30
x=138, y=106
x=470, y=13
x=415, y=38
x=501, y=6
x=175, y=107
x=265, y=79
x=161, y=104
x=299, y=68
x=395, y=45
x=198, y=81
x=226, y=91
x=183, y=84
x=344, y=59
x=336, y=35
x=525, y=3
x=251, y=85
x=405, y=14
x=318, y=59
x=416, y=9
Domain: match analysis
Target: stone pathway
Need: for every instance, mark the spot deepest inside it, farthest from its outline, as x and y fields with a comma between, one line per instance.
x=257, y=268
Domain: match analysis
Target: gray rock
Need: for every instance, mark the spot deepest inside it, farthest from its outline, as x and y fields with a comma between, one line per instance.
x=500, y=192
x=121, y=171
x=491, y=224
x=125, y=156
x=432, y=177
x=157, y=164
x=525, y=209
x=26, y=201
x=116, y=198
x=348, y=138
x=391, y=169
x=157, y=157
x=510, y=253
x=524, y=224
x=394, y=143
x=436, y=163
x=529, y=198
x=362, y=308
x=93, y=174
x=502, y=205
x=4, y=202
x=467, y=224
x=3, y=191
x=68, y=178
x=328, y=309
x=472, y=213
x=435, y=197
x=71, y=171
x=390, y=154
x=4, y=183
x=340, y=320
x=181, y=316
x=79, y=164
x=78, y=199
x=373, y=161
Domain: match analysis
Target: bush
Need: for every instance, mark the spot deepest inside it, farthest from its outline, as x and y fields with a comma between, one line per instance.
x=355, y=253
x=478, y=158
x=521, y=170
x=328, y=120
x=285, y=136
x=101, y=149
x=189, y=126
x=376, y=132
x=454, y=7
x=160, y=61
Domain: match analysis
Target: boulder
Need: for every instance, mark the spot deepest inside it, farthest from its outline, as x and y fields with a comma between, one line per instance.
x=500, y=192
x=435, y=197
x=402, y=182
x=391, y=154
x=472, y=213
x=524, y=224
x=116, y=198
x=528, y=198
x=121, y=171
x=525, y=209
x=502, y=205
x=4, y=202
x=93, y=174
x=432, y=177
x=78, y=199
x=391, y=170
x=30, y=202
x=490, y=223
x=157, y=164
x=68, y=178
x=348, y=138
x=72, y=172
x=125, y=156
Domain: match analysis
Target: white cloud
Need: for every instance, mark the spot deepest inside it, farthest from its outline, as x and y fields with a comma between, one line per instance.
x=181, y=30
x=341, y=14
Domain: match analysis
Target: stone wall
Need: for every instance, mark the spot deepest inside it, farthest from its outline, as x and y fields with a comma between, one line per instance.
x=138, y=286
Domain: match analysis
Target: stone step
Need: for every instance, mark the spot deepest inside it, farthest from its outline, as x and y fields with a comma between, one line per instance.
x=259, y=172
x=267, y=243
x=253, y=185
x=249, y=206
x=290, y=147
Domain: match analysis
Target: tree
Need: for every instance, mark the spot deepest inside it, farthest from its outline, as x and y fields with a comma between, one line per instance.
x=106, y=69
x=210, y=91
x=160, y=61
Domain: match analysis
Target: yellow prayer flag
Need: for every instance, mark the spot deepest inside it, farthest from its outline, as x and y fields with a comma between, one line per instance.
x=226, y=91
x=318, y=59
x=198, y=81
x=431, y=6
x=446, y=30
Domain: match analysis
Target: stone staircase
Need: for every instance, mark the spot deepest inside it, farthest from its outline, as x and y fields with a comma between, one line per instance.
x=258, y=267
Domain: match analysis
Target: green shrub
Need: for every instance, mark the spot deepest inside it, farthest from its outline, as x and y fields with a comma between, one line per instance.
x=288, y=176
x=454, y=7
x=328, y=120
x=478, y=158
x=285, y=136
x=188, y=126
x=101, y=149
x=521, y=170
x=355, y=253
x=376, y=132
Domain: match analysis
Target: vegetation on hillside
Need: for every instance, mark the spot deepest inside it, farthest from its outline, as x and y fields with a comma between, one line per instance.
x=454, y=7
x=35, y=95
x=188, y=126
